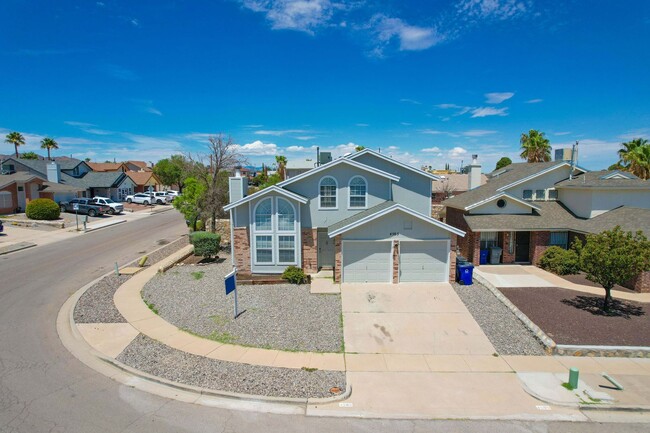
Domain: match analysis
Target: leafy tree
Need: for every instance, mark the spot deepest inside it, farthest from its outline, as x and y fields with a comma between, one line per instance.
x=616, y=166
x=189, y=203
x=29, y=155
x=49, y=144
x=535, y=147
x=174, y=170
x=614, y=257
x=503, y=162
x=15, y=138
x=87, y=159
x=282, y=166
x=635, y=157
x=359, y=148
x=271, y=180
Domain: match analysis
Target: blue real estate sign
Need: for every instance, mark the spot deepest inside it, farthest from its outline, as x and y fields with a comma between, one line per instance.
x=230, y=281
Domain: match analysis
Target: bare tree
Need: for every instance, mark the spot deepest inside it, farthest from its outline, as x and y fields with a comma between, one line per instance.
x=446, y=188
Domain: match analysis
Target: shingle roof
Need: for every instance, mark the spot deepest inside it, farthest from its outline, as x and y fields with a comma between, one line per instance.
x=105, y=166
x=455, y=182
x=21, y=176
x=594, y=179
x=141, y=177
x=110, y=179
x=555, y=216
x=361, y=215
x=497, y=179
x=59, y=187
x=40, y=165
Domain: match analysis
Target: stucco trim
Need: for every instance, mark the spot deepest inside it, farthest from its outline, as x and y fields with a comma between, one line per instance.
x=540, y=173
x=274, y=188
x=401, y=164
x=497, y=196
x=334, y=163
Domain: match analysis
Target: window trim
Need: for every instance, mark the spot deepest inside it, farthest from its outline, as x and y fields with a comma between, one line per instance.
x=272, y=262
x=295, y=249
x=557, y=195
x=543, y=198
x=336, y=193
x=365, y=196
x=255, y=229
x=495, y=240
x=565, y=245
x=523, y=195
x=11, y=199
x=277, y=216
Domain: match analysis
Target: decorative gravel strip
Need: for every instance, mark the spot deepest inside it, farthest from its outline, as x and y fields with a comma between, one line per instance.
x=284, y=316
x=96, y=304
x=508, y=334
x=157, y=359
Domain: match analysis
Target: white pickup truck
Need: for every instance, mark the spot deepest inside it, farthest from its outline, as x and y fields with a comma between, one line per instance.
x=114, y=207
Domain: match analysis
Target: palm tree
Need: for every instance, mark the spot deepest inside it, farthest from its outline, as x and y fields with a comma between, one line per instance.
x=282, y=164
x=359, y=148
x=535, y=147
x=635, y=157
x=49, y=144
x=15, y=138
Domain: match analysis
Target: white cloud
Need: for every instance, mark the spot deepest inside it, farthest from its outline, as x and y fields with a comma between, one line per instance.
x=492, y=9
x=406, y=123
x=301, y=15
x=562, y=133
x=410, y=101
x=432, y=132
x=431, y=150
x=392, y=148
x=497, y=98
x=88, y=127
x=199, y=136
x=594, y=149
x=489, y=111
x=361, y=125
x=534, y=101
x=153, y=110
x=477, y=132
x=411, y=38
x=300, y=149
x=280, y=132
x=305, y=137
x=257, y=148
x=342, y=149
x=637, y=133
x=252, y=126
x=457, y=152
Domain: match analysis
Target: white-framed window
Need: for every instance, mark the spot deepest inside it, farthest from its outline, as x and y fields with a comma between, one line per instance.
x=286, y=216
x=489, y=239
x=6, y=200
x=358, y=188
x=540, y=194
x=328, y=191
x=286, y=249
x=528, y=194
x=552, y=194
x=264, y=249
x=560, y=239
x=264, y=215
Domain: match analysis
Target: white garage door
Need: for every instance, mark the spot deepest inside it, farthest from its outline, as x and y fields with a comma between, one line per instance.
x=367, y=262
x=424, y=261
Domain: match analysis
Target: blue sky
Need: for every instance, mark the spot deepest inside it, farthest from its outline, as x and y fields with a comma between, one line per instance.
x=429, y=82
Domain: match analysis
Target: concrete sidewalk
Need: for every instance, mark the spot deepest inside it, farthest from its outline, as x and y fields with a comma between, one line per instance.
x=395, y=379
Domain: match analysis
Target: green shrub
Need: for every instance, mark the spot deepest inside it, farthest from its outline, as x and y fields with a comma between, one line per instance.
x=42, y=209
x=206, y=244
x=294, y=275
x=560, y=261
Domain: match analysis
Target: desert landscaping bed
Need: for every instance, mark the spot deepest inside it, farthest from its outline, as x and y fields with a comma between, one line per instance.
x=575, y=318
x=275, y=316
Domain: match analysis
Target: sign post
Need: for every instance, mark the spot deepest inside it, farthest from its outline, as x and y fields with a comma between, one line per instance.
x=75, y=207
x=230, y=281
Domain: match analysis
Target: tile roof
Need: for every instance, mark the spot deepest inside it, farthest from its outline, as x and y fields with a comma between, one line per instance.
x=594, y=179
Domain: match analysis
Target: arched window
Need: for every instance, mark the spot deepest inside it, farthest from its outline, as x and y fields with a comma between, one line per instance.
x=263, y=215
x=286, y=216
x=358, y=190
x=328, y=193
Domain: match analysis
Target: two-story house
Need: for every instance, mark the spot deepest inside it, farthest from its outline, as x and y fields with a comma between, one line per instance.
x=366, y=216
x=526, y=207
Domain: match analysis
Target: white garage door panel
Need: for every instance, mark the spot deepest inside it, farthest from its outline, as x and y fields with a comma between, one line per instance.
x=424, y=261
x=367, y=262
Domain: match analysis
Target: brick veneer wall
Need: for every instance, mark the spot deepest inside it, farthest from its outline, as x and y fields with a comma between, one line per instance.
x=640, y=283
x=466, y=245
x=242, y=249
x=505, y=239
x=337, y=259
x=309, y=250
x=395, y=262
x=14, y=196
x=538, y=244
x=452, y=257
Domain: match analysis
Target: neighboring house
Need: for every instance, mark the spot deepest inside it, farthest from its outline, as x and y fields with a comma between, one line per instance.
x=137, y=166
x=18, y=189
x=366, y=216
x=299, y=166
x=115, y=185
x=108, y=166
x=527, y=207
x=144, y=179
x=451, y=185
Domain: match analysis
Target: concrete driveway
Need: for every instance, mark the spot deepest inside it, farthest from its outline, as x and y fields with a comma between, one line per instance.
x=409, y=318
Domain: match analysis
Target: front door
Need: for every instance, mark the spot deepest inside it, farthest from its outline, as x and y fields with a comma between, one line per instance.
x=522, y=246
x=325, y=251
x=22, y=198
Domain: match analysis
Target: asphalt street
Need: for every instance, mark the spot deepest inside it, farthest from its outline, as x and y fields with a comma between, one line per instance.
x=43, y=388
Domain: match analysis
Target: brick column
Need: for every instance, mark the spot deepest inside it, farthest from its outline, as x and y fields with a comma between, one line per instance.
x=475, y=248
x=538, y=244
x=452, y=257
x=309, y=239
x=395, y=262
x=242, y=249
x=337, y=259
x=507, y=240
x=640, y=283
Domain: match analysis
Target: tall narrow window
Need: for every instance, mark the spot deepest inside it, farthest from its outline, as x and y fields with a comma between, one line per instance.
x=286, y=216
x=328, y=189
x=488, y=239
x=286, y=249
x=358, y=190
x=263, y=215
x=560, y=239
x=264, y=249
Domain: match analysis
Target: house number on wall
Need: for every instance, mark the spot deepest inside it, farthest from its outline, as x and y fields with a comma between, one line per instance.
x=394, y=234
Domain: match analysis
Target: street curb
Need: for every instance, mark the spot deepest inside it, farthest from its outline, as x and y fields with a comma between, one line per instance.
x=164, y=267
x=104, y=225
x=16, y=247
x=549, y=344
x=167, y=209
x=34, y=223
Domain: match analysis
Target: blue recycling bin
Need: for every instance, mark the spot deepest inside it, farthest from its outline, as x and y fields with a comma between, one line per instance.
x=484, y=257
x=465, y=274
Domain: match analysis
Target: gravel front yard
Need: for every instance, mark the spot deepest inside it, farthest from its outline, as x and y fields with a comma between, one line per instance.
x=96, y=304
x=157, y=359
x=284, y=316
x=506, y=332
x=571, y=317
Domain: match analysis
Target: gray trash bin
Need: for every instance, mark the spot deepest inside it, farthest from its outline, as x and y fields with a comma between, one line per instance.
x=495, y=255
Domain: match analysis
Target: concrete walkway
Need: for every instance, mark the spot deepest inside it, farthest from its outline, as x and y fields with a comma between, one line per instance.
x=532, y=276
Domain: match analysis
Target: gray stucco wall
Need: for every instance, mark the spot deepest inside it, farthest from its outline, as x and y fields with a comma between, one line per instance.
x=396, y=226
x=412, y=190
x=312, y=216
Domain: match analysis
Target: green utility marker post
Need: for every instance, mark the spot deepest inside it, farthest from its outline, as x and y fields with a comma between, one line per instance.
x=573, y=377
x=117, y=270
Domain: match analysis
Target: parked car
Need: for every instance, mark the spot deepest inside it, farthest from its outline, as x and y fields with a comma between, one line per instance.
x=115, y=208
x=85, y=206
x=160, y=197
x=173, y=194
x=1, y=227
x=139, y=198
